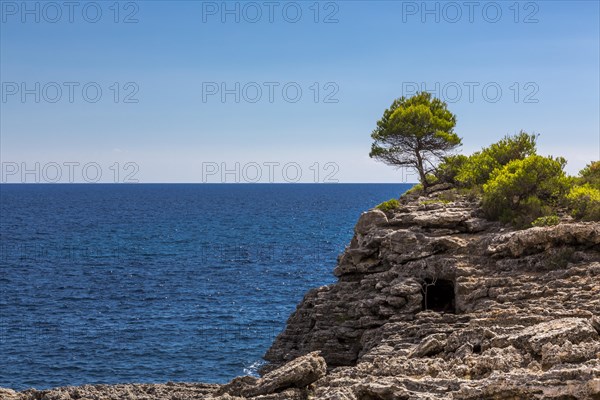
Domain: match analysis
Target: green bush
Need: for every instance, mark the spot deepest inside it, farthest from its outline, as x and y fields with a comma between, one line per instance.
x=432, y=179
x=418, y=188
x=549, y=220
x=389, y=205
x=584, y=202
x=590, y=175
x=516, y=185
x=524, y=190
x=449, y=168
x=477, y=168
x=435, y=201
x=529, y=210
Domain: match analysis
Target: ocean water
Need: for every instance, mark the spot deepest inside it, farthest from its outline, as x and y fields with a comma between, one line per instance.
x=161, y=282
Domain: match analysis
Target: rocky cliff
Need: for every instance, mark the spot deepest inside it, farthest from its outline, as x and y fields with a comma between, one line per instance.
x=432, y=302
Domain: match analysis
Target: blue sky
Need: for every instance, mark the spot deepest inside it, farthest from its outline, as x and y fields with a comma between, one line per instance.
x=163, y=65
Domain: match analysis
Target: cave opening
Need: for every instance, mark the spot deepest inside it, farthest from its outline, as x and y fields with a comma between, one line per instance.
x=438, y=295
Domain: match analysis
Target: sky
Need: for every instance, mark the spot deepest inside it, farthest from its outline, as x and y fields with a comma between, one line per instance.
x=270, y=91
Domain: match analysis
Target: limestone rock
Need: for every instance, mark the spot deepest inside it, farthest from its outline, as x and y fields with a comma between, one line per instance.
x=299, y=373
x=432, y=302
x=432, y=345
x=8, y=394
x=512, y=314
x=370, y=220
x=538, y=239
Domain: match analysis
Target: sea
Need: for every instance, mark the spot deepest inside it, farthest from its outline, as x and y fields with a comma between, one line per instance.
x=151, y=283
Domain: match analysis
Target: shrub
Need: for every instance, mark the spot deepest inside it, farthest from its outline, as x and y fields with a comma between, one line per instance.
x=584, y=202
x=529, y=210
x=524, y=190
x=418, y=188
x=511, y=148
x=432, y=179
x=549, y=220
x=591, y=175
x=477, y=168
x=435, y=201
x=389, y=205
x=449, y=168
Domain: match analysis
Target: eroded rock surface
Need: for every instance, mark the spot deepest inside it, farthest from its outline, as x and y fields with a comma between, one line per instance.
x=432, y=302
x=510, y=314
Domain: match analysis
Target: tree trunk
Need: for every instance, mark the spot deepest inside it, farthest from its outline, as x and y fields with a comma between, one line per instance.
x=421, y=170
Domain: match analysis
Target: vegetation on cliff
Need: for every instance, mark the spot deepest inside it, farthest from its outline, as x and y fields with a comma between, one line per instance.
x=519, y=186
x=515, y=183
x=415, y=132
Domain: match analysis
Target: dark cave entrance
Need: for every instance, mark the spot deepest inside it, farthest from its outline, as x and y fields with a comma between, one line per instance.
x=438, y=295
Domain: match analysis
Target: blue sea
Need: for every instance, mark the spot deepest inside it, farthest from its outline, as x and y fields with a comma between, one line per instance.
x=161, y=282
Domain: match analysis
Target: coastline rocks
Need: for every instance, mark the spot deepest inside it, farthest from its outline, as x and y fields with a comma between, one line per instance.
x=170, y=390
x=440, y=303
x=290, y=382
x=296, y=374
x=369, y=220
x=432, y=302
x=8, y=394
x=299, y=373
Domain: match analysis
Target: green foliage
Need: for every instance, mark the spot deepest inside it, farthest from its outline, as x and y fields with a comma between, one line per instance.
x=584, y=202
x=389, y=205
x=478, y=167
x=514, y=184
x=590, y=175
x=524, y=190
x=431, y=179
x=415, y=132
x=435, y=201
x=583, y=199
x=418, y=188
x=512, y=148
x=530, y=209
x=450, y=167
x=549, y=220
